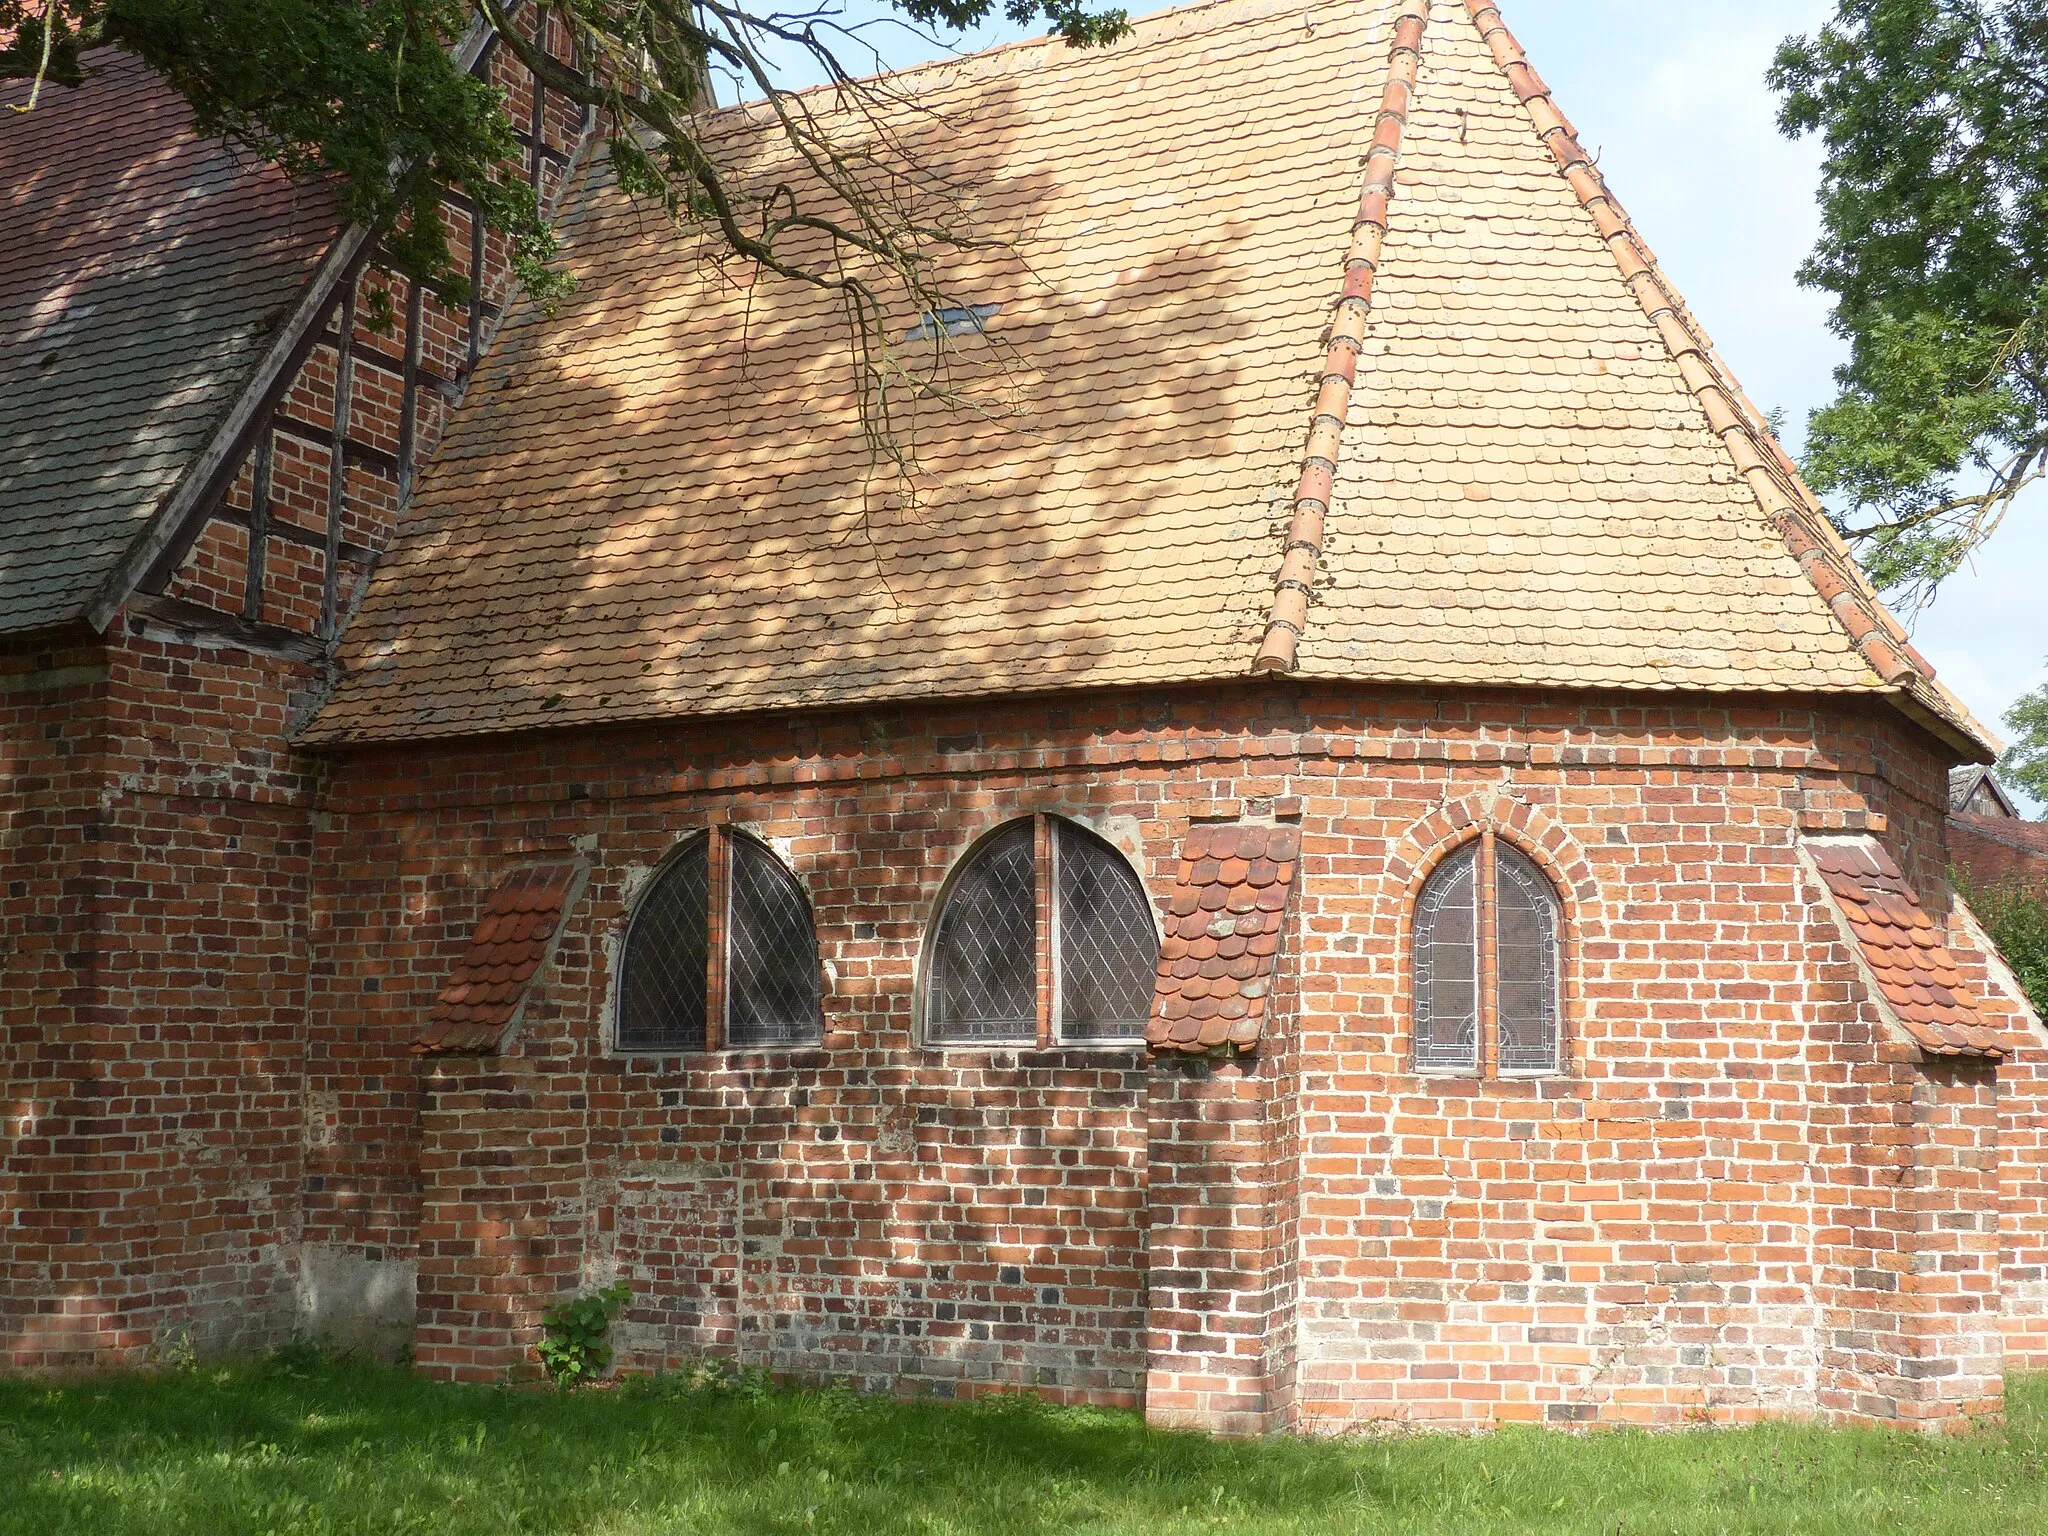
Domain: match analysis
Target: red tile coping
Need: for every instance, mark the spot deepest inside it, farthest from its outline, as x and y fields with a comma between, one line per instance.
x=521, y=918
x=1293, y=584
x=1222, y=937
x=1903, y=950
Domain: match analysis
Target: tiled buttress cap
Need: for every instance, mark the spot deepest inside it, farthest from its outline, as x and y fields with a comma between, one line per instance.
x=1222, y=936
x=1903, y=949
x=521, y=917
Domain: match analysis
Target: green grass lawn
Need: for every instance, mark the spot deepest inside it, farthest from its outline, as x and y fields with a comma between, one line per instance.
x=277, y=1447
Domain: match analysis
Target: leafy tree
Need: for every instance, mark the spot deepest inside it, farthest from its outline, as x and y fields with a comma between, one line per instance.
x=2017, y=920
x=1934, y=242
x=369, y=93
x=2025, y=763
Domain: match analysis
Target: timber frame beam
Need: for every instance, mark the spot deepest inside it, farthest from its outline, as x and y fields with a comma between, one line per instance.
x=192, y=501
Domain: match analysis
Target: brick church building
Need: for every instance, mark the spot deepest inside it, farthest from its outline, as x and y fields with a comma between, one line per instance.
x=1346, y=844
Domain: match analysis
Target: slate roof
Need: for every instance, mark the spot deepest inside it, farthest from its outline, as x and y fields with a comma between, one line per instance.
x=659, y=503
x=1223, y=935
x=141, y=268
x=522, y=917
x=1902, y=950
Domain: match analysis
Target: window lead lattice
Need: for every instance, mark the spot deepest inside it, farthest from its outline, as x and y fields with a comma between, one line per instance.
x=1447, y=966
x=664, y=983
x=1108, y=950
x=1525, y=945
x=771, y=954
x=983, y=975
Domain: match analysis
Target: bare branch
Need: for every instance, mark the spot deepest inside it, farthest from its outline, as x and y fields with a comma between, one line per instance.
x=51, y=13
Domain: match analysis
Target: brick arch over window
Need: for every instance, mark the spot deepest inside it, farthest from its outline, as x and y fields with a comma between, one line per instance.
x=1496, y=855
x=1042, y=934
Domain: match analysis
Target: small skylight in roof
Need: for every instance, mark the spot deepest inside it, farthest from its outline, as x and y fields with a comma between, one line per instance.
x=952, y=322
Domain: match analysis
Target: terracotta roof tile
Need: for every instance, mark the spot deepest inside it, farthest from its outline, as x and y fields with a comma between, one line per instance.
x=522, y=916
x=1222, y=934
x=1902, y=949
x=658, y=502
x=1760, y=460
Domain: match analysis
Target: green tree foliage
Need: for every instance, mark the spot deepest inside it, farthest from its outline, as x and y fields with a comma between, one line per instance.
x=1934, y=243
x=2025, y=763
x=2017, y=920
x=367, y=93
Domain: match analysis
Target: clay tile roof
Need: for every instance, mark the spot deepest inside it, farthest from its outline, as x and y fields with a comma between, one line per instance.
x=1222, y=934
x=1494, y=446
x=140, y=267
x=522, y=916
x=1902, y=949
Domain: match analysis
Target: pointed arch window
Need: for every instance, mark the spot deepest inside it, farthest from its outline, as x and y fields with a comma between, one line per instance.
x=1489, y=966
x=721, y=953
x=1043, y=935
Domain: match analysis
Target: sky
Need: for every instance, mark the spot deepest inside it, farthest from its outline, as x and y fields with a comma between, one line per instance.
x=1669, y=96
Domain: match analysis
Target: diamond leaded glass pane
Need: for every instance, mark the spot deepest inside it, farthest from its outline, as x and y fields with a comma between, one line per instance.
x=982, y=985
x=1108, y=948
x=1525, y=941
x=771, y=954
x=663, y=978
x=1447, y=966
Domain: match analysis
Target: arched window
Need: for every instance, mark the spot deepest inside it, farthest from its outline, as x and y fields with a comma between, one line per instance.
x=1488, y=966
x=986, y=981
x=758, y=987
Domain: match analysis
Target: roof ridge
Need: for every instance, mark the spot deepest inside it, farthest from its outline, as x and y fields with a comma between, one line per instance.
x=1279, y=644
x=1787, y=501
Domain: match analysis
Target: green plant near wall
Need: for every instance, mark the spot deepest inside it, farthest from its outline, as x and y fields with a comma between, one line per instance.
x=2017, y=920
x=575, y=1346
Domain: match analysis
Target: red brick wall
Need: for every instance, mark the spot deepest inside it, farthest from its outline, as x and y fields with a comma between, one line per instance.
x=154, y=993
x=1996, y=851
x=1707, y=1217
x=52, y=709
x=2023, y=1149
x=1742, y=1197
x=167, y=1133
x=954, y=1219
x=2023, y=1141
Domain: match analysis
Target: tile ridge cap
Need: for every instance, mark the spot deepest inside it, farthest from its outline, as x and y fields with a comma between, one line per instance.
x=1785, y=498
x=1279, y=644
